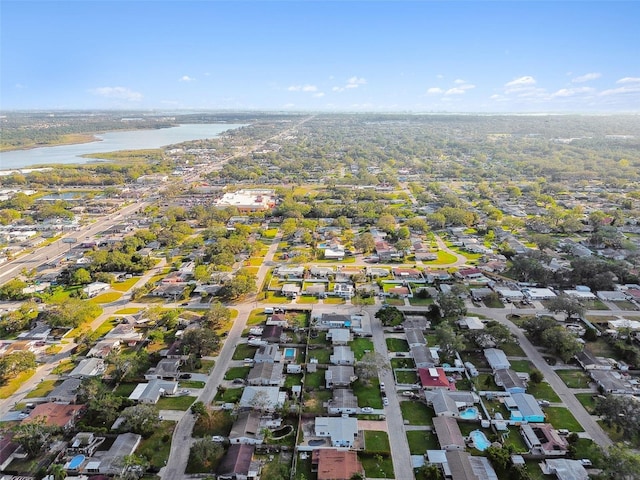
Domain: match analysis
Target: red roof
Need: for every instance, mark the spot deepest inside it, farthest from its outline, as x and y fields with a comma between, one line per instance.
x=469, y=271
x=433, y=378
x=55, y=414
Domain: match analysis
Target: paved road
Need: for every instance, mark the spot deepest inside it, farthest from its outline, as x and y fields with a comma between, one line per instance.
x=588, y=423
x=400, y=453
x=181, y=443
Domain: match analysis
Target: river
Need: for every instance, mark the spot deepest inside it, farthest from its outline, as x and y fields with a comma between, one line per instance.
x=111, y=142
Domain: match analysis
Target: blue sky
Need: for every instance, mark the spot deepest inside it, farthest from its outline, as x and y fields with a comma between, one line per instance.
x=472, y=56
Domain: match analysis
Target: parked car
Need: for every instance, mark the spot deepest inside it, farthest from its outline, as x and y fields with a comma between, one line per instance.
x=385, y=401
x=185, y=376
x=217, y=438
x=366, y=410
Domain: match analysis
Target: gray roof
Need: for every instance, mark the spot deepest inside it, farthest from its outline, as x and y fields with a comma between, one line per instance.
x=448, y=432
x=527, y=405
x=482, y=468
x=125, y=444
x=460, y=466
x=422, y=356
x=566, y=469
x=343, y=398
x=66, y=391
x=342, y=354
x=246, y=425
x=441, y=402
x=266, y=372
x=497, y=358
x=507, y=378
x=415, y=336
x=340, y=374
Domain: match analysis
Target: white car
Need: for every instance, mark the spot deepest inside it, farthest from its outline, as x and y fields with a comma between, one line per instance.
x=366, y=410
x=385, y=401
x=217, y=438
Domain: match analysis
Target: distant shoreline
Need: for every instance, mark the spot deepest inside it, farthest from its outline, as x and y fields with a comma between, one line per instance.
x=70, y=139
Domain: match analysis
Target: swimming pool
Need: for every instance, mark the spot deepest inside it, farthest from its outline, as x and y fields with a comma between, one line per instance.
x=289, y=353
x=480, y=440
x=470, y=413
x=75, y=462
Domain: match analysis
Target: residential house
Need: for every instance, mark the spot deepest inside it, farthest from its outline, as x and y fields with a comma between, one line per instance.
x=66, y=392
x=291, y=273
x=333, y=464
x=84, y=443
x=321, y=272
x=267, y=354
x=95, y=288
x=471, y=323
x=55, y=414
x=613, y=382
x=565, y=469
x=339, y=336
x=246, y=429
x=543, y=439
x=166, y=369
x=448, y=433
x=339, y=376
x=524, y=408
x=112, y=462
x=88, y=367
x=588, y=361
x=334, y=320
x=343, y=402
x=291, y=290
x=103, y=348
x=266, y=374
x=272, y=333
x=126, y=333
x=342, y=431
x=509, y=380
x=7, y=450
x=431, y=378
x=237, y=464
x=266, y=399
x=343, y=290
x=423, y=356
x=152, y=391
x=448, y=403
x=342, y=355
x=407, y=275
x=415, y=337
x=497, y=359
x=463, y=466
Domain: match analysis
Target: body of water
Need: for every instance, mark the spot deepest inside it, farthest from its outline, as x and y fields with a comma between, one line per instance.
x=111, y=142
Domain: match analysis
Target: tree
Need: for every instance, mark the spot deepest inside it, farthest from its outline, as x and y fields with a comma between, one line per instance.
x=72, y=312
x=562, y=342
x=80, y=276
x=13, y=290
x=133, y=467
x=58, y=471
x=621, y=412
x=390, y=316
x=217, y=315
x=33, y=436
x=449, y=341
x=387, y=222
x=499, y=332
x=15, y=363
x=199, y=409
x=571, y=306
x=243, y=283
x=499, y=457
x=430, y=471
x=370, y=364
x=621, y=463
x=451, y=305
x=142, y=419
x=206, y=453
x=201, y=273
x=536, y=376
x=200, y=342
x=365, y=243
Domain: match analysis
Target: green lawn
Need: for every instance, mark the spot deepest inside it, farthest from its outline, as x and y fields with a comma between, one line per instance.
x=43, y=389
x=276, y=298
x=512, y=349
x=106, y=297
x=543, y=391
x=237, y=372
x=521, y=365
x=176, y=403
x=376, y=442
x=229, y=395
x=320, y=338
x=307, y=299
x=368, y=394
x=574, y=378
x=484, y=381
x=314, y=380
x=14, y=384
x=314, y=402
x=191, y=384
x=515, y=440
x=105, y=327
x=376, y=466
x=420, y=302
x=493, y=303
x=124, y=285
x=321, y=354
x=293, y=379
x=397, y=302
x=397, y=345
x=416, y=413
x=404, y=362
x=127, y=311
x=444, y=258
x=63, y=367
x=125, y=389
x=334, y=301
x=205, y=366
x=407, y=377
x=156, y=448
x=421, y=440
x=244, y=351
x=360, y=346
x=587, y=401
x=561, y=417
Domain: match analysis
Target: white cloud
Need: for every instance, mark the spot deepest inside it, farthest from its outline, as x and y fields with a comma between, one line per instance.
x=460, y=89
x=337, y=89
x=435, y=91
x=633, y=88
x=289, y=105
x=440, y=76
x=629, y=80
x=303, y=88
x=318, y=94
x=459, y=82
x=526, y=80
x=570, y=92
x=186, y=78
x=586, y=77
x=355, y=82
x=121, y=93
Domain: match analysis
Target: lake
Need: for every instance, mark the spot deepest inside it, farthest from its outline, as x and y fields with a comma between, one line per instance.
x=111, y=142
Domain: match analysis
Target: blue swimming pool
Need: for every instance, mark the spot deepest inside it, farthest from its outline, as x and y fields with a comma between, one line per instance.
x=480, y=440
x=470, y=413
x=289, y=353
x=75, y=462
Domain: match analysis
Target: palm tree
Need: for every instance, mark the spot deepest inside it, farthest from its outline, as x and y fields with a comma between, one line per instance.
x=58, y=471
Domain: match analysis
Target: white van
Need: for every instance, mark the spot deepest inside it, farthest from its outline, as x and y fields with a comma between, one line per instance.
x=268, y=310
